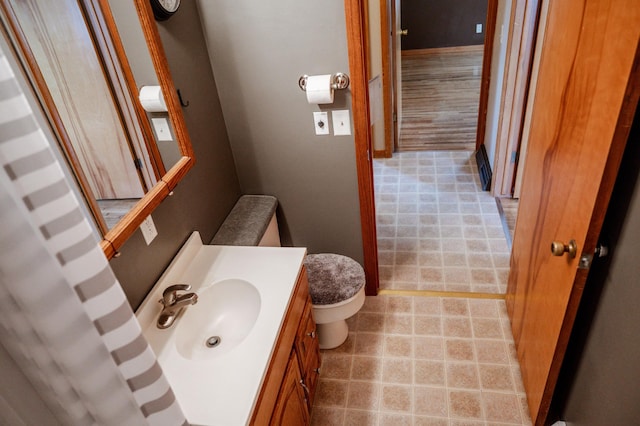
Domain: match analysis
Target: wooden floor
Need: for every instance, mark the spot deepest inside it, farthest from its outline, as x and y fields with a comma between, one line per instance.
x=440, y=95
x=114, y=210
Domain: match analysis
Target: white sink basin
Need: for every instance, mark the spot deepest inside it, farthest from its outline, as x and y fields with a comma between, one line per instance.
x=243, y=295
x=223, y=317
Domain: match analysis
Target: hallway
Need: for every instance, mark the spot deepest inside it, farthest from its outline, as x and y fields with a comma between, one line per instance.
x=437, y=229
x=430, y=358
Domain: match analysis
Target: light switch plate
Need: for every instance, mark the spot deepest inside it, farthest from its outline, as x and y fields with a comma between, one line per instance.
x=149, y=231
x=161, y=126
x=478, y=28
x=321, y=122
x=341, y=122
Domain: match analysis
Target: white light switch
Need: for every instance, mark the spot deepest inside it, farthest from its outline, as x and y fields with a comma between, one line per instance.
x=161, y=126
x=321, y=122
x=478, y=28
x=341, y=122
x=149, y=231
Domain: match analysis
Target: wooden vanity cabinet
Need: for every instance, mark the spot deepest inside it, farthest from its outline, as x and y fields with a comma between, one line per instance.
x=287, y=392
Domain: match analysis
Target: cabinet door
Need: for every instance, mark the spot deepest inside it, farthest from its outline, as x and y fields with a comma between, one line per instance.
x=291, y=406
x=308, y=351
x=306, y=339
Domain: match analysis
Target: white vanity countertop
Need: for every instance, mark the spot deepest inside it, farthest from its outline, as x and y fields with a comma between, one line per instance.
x=224, y=389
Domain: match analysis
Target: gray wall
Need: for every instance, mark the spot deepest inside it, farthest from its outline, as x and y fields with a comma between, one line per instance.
x=602, y=370
x=209, y=191
x=258, y=51
x=442, y=23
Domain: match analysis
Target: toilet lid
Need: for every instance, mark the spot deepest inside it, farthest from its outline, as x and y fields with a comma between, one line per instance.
x=333, y=278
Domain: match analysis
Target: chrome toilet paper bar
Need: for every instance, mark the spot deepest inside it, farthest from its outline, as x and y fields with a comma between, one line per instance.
x=339, y=80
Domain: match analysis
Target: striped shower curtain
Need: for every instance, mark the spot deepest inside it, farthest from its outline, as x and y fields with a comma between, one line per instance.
x=64, y=318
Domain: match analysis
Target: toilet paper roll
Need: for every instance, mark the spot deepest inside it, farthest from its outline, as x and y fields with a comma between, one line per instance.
x=319, y=89
x=152, y=99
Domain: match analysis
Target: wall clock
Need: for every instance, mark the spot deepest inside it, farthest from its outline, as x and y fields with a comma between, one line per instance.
x=164, y=9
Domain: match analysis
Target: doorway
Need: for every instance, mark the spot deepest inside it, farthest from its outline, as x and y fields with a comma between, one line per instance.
x=442, y=44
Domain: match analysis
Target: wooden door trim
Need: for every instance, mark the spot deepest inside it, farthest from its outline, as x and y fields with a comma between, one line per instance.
x=354, y=15
x=387, y=100
x=485, y=82
x=520, y=47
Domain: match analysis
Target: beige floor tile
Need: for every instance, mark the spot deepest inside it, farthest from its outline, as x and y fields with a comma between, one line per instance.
x=327, y=416
x=428, y=348
x=387, y=419
x=501, y=407
x=467, y=404
x=364, y=396
x=398, y=346
x=428, y=372
x=331, y=393
x=398, y=324
x=427, y=325
x=462, y=376
x=369, y=344
x=360, y=418
x=336, y=366
x=396, y=398
x=430, y=401
x=366, y=368
x=397, y=370
x=491, y=351
x=459, y=350
x=496, y=377
x=456, y=327
x=429, y=421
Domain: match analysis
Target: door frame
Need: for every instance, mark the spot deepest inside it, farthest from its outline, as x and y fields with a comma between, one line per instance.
x=356, y=32
x=390, y=71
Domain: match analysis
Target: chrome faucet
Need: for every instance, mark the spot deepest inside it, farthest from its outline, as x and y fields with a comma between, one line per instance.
x=174, y=303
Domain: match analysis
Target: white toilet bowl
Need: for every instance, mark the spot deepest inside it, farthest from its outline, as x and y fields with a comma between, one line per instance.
x=336, y=286
x=331, y=320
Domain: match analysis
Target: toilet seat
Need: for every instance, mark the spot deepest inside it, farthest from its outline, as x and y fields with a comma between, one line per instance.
x=336, y=286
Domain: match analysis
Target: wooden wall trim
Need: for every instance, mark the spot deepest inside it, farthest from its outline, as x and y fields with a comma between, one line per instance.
x=483, y=102
x=360, y=109
x=387, y=101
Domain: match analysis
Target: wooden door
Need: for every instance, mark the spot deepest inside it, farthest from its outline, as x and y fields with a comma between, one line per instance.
x=291, y=406
x=586, y=93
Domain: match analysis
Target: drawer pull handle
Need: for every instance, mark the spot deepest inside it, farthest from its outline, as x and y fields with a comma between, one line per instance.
x=306, y=389
x=312, y=334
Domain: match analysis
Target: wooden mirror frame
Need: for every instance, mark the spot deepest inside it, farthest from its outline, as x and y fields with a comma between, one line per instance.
x=101, y=21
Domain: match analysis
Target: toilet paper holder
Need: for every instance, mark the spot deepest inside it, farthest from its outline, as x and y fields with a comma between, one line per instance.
x=339, y=81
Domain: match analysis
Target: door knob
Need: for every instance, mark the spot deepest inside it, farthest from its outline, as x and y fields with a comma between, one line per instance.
x=558, y=248
x=403, y=32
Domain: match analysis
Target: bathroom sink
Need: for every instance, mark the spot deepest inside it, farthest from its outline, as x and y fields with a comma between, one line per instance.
x=225, y=314
x=243, y=295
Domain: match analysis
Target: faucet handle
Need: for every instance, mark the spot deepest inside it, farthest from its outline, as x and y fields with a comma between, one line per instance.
x=169, y=293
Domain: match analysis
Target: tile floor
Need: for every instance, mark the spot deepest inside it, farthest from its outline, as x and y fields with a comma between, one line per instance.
x=437, y=229
x=423, y=361
x=429, y=360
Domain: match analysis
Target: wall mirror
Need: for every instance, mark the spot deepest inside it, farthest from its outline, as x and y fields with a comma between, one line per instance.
x=87, y=61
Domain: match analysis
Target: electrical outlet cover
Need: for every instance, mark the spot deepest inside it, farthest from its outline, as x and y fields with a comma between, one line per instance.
x=149, y=231
x=321, y=122
x=341, y=122
x=161, y=126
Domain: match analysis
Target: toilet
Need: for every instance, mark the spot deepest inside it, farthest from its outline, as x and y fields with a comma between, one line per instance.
x=336, y=287
x=336, y=282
